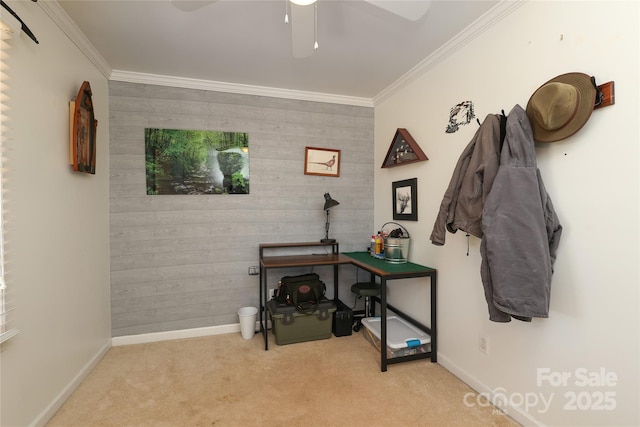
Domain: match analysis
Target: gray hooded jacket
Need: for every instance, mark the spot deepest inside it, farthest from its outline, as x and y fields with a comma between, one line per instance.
x=521, y=231
x=463, y=201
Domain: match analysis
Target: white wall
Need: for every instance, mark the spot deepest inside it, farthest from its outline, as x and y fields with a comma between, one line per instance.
x=592, y=178
x=57, y=230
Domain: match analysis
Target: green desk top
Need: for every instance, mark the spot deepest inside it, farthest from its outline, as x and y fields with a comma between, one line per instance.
x=387, y=267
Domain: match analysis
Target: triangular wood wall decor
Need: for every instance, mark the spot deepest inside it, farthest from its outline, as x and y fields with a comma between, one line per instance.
x=403, y=150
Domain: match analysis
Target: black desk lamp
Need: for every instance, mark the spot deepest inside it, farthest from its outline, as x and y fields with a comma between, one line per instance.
x=328, y=204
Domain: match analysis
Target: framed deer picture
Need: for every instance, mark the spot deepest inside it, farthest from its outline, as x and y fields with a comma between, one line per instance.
x=405, y=199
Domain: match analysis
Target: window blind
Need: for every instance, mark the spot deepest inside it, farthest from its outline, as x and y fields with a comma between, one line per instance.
x=7, y=305
x=7, y=301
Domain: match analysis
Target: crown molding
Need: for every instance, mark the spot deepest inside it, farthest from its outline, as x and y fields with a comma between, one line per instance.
x=479, y=26
x=154, y=79
x=66, y=24
x=476, y=28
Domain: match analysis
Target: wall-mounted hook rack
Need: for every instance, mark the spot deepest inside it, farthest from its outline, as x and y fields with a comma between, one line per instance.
x=608, y=95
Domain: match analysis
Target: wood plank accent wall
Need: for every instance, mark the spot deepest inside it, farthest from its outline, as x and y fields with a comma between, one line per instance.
x=180, y=262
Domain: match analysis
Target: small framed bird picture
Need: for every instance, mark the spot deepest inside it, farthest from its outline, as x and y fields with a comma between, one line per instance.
x=322, y=161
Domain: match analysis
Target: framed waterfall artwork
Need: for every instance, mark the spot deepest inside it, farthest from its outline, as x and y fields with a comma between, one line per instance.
x=196, y=161
x=322, y=161
x=405, y=199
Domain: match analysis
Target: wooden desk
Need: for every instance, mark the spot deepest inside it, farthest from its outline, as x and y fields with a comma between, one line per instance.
x=388, y=271
x=289, y=261
x=376, y=267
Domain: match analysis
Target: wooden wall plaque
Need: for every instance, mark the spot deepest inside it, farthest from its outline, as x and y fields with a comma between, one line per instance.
x=403, y=150
x=83, y=126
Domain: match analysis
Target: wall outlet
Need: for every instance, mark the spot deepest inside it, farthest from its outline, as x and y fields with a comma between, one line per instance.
x=253, y=270
x=483, y=345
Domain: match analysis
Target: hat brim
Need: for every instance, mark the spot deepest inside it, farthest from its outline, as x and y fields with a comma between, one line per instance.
x=582, y=82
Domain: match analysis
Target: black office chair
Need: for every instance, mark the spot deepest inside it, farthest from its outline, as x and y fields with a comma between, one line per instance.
x=366, y=290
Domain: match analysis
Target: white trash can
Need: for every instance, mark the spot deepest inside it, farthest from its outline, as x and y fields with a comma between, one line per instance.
x=247, y=317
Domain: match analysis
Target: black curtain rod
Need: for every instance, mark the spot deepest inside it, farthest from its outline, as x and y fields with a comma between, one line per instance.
x=24, y=26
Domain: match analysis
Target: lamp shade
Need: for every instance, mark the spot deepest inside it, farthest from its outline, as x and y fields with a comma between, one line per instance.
x=329, y=202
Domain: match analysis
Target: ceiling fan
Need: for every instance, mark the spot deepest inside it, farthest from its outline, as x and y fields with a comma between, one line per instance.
x=304, y=17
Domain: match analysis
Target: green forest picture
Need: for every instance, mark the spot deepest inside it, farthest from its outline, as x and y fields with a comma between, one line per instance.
x=196, y=162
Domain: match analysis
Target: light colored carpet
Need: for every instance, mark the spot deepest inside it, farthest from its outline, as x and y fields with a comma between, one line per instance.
x=224, y=380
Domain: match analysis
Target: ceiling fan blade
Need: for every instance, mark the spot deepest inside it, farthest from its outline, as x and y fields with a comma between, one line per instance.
x=411, y=9
x=190, y=5
x=302, y=30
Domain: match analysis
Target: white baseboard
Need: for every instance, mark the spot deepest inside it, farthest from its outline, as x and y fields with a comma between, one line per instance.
x=52, y=408
x=57, y=403
x=180, y=334
x=517, y=414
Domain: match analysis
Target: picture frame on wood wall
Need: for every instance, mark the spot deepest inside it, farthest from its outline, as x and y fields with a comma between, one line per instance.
x=196, y=162
x=322, y=161
x=405, y=199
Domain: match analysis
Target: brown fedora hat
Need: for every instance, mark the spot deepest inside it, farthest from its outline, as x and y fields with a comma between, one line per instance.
x=560, y=107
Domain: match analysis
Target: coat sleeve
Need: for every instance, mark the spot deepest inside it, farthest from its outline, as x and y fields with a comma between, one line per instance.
x=461, y=206
x=448, y=205
x=552, y=223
